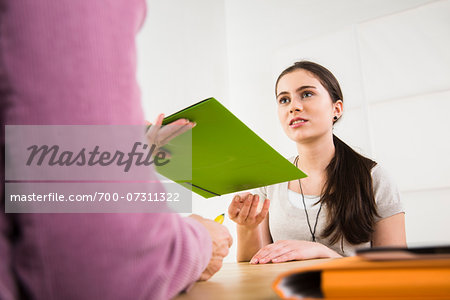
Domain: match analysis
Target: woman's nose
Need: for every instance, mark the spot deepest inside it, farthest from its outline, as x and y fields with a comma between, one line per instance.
x=296, y=106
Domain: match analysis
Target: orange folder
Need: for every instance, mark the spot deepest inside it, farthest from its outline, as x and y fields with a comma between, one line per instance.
x=357, y=278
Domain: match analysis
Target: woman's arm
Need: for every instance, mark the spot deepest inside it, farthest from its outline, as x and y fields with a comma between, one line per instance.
x=251, y=240
x=252, y=226
x=390, y=231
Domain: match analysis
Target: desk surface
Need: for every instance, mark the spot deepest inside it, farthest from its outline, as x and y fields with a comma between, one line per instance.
x=243, y=281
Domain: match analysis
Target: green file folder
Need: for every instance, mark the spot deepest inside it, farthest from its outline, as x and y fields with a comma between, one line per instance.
x=226, y=155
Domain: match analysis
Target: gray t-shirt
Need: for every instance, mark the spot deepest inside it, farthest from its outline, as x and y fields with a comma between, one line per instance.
x=287, y=220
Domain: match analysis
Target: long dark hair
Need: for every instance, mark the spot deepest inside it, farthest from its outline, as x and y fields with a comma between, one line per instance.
x=348, y=190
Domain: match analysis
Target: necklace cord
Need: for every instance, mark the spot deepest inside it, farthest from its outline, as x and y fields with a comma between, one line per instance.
x=313, y=233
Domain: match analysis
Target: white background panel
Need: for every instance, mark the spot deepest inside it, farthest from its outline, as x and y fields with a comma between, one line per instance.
x=407, y=53
x=427, y=220
x=352, y=129
x=344, y=64
x=411, y=138
x=182, y=55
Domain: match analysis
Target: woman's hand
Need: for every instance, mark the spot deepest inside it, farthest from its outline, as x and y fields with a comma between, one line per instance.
x=159, y=135
x=288, y=250
x=221, y=242
x=244, y=210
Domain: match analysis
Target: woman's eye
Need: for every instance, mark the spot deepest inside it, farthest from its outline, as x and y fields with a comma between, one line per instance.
x=307, y=94
x=283, y=100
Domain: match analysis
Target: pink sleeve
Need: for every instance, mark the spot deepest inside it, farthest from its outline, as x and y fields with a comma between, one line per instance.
x=102, y=256
x=74, y=62
x=7, y=284
x=195, y=252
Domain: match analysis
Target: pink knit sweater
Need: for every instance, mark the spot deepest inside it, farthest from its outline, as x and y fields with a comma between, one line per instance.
x=74, y=62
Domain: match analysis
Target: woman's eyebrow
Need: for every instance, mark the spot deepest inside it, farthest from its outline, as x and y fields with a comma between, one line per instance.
x=282, y=93
x=298, y=90
x=305, y=87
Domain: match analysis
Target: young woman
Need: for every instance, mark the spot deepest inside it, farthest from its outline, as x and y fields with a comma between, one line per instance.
x=346, y=202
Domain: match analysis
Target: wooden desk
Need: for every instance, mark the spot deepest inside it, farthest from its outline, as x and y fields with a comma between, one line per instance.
x=243, y=281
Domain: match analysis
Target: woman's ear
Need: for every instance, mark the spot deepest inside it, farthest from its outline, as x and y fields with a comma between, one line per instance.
x=338, y=108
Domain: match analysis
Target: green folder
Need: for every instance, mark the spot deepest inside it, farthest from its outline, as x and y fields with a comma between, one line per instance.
x=226, y=155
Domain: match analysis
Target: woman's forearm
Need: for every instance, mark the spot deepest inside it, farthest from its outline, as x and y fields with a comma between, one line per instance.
x=249, y=241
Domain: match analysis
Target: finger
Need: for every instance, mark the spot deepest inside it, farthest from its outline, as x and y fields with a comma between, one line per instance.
x=275, y=252
x=222, y=250
x=205, y=276
x=245, y=209
x=229, y=237
x=261, y=253
x=214, y=265
x=170, y=131
x=230, y=241
x=233, y=209
x=243, y=196
x=236, y=205
x=253, y=208
x=265, y=209
x=265, y=254
x=255, y=258
x=287, y=256
x=159, y=119
x=177, y=123
x=152, y=132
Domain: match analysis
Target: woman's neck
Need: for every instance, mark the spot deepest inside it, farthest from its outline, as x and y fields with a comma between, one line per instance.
x=314, y=156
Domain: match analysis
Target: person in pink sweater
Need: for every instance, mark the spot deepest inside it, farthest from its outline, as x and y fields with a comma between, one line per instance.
x=71, y=62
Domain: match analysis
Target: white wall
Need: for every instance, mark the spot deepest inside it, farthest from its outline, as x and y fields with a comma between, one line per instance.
x=182, y=54
x=391, y=58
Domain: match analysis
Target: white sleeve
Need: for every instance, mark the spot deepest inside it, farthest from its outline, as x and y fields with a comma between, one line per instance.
x=387, y=196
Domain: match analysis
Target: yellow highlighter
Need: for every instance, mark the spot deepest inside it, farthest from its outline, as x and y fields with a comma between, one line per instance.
x=219, y=219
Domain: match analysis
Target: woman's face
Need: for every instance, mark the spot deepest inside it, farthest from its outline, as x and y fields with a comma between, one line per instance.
x=305, y=108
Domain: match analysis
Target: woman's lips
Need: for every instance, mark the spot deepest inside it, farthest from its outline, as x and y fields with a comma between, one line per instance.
x=297, y=122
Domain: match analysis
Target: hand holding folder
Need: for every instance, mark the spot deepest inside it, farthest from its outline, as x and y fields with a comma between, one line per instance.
x=159, y=135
